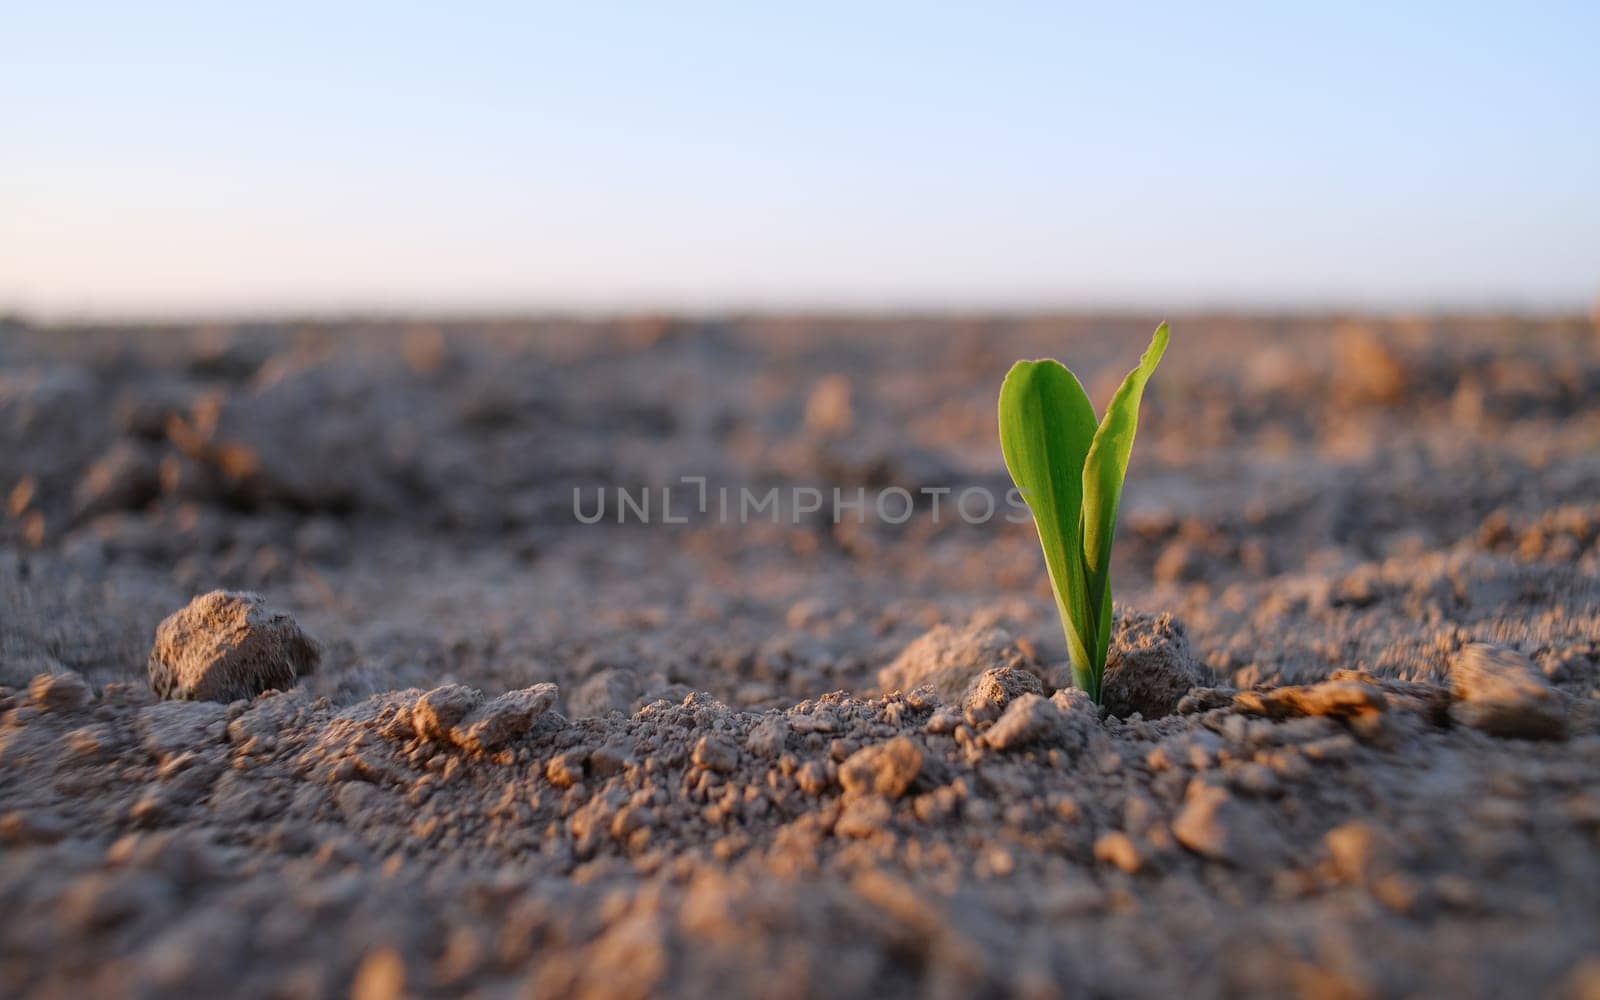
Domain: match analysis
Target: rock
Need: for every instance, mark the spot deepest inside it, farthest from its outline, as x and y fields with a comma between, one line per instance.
x=1027, y=720
x=1119, y=850
x=566, y=769
x=1502, y=693
x=888, y=769
x=713, y=753
x=1149, y=666
x=436, y=714
x=171, y=728
x=612, y=690
x=991, y=691
x=225, y=646
x=1215, y=825
x=1339, y=699
x=497, y=722
x=948, y=659
x=62, y=692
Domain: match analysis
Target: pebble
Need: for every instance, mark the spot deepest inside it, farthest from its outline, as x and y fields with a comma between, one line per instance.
x=497, y=722
x=1500, y=692
x=1119, y=850
x=225, y=645
x=1214, y=825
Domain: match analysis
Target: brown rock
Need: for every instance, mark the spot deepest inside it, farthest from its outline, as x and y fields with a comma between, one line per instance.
x=1118, y=849
x=1215, y=825
x=1501, y=692
x=495, y=723
x=225, y=646
x=948, y=659
x=436, y=714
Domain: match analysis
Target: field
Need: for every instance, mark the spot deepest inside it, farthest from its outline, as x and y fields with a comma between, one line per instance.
x=1352, y=738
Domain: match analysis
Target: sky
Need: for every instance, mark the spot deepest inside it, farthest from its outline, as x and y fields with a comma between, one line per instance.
x=228, y=159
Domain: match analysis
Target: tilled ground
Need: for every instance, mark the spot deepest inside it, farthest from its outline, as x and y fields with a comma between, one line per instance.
x=540, y=757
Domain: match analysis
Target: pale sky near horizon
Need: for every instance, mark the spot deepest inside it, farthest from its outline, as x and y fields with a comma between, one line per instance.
x=218, y=159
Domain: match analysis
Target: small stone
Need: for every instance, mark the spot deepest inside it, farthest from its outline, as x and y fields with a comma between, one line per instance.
x=948, y=659
x=1337, y=699
x=494, y=724
x=1118, y=849
x=715, y=754
x=1214, y=825
x=566, y=769
x=63, y=692
x=436, y=714
x=888, y=769
x=225, y=646
x=1027, y=720
x=1501, y=692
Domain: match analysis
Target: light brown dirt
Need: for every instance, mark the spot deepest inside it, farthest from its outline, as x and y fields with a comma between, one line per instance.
x=545, y=758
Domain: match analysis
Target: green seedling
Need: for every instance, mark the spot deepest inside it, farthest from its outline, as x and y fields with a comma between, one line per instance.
x=1070, y=468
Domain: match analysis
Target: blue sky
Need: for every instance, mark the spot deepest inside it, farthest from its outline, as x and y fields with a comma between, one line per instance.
x=220, y=158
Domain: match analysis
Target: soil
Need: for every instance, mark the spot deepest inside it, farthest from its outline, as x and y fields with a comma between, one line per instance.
x=1351, y=745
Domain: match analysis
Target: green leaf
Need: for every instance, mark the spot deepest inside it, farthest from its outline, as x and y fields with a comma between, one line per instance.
x=1047, y=425
x=1103, y=473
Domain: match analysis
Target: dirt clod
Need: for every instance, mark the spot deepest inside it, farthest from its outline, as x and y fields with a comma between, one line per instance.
x=225, y=646
x=886, y=769
x=1149, y=666
x=1501, y=692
